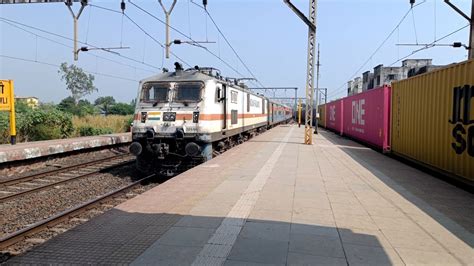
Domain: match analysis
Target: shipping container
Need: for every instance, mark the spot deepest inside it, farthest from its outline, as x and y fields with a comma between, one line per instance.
x=322, y=115
x=366, y=117
x=433, y=120
x=334, y=111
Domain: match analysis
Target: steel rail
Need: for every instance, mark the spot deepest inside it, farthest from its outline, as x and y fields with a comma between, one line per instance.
x=14, y=181
x=58, y=218
x=21, y=193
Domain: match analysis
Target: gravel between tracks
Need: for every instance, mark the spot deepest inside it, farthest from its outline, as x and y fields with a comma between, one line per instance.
x=7, y=171
x=34, y=207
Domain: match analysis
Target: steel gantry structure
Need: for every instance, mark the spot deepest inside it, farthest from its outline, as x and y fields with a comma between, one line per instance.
x=311, y=22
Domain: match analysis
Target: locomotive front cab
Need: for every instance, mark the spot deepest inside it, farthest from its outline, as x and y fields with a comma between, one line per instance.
x=166, y=126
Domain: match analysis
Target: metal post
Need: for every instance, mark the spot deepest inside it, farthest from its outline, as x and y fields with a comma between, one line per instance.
x=167, y=15
x=316, y=97
x=310, y=75
x=471, y=36
x=296, y=100
x=471, y=22
x=311, y=23
x=75, y=19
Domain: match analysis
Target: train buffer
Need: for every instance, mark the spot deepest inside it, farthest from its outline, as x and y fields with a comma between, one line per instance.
x=274, y=200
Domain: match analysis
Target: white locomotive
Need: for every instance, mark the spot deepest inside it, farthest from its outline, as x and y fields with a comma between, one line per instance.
x=185, y=117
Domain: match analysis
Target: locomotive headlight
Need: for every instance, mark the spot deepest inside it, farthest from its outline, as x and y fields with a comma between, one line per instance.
x=144, y=116
x=195, y=117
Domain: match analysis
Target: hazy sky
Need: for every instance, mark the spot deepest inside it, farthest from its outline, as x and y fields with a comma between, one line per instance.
x=271, y=40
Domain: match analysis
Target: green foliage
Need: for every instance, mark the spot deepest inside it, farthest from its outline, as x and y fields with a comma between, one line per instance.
x=77, y=81
x=121, y=109
x=105, y=103
x=93, y=131
x=82, y=108
x=43, y=123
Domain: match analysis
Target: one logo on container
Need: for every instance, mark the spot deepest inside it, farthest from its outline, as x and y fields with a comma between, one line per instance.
x=332, y=113
x=358, y=113
x=461, y=117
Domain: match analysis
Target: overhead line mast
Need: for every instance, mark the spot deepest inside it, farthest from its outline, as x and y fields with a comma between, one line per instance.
x=311, y=22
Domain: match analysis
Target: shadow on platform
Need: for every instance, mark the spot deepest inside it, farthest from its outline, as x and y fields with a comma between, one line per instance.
x=432, y=195
x=118, y=237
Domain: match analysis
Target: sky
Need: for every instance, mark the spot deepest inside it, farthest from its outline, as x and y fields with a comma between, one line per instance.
x=270, y=39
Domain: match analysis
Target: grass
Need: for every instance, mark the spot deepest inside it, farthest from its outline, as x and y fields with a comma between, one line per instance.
x=111, y=123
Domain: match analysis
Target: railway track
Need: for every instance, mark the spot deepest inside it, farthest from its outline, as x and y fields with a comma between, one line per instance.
x=16, y=187
x=23, y=234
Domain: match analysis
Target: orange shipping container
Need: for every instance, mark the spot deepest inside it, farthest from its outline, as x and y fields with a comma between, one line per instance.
x=433, y=120
x=322, y=115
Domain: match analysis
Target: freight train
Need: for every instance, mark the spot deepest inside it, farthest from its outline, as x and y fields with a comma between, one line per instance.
x=186, y=117
x=428, y=119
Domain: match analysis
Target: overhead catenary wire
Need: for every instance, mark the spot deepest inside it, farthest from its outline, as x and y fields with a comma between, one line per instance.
x=57, y=66
x=430, y=45
x=228, y=43
x=141, y=29
x=187, y=37
x=341, y=88
x=70, y=39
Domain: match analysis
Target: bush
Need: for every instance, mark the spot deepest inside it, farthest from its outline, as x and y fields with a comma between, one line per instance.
x=93, y=131
x=42, y=123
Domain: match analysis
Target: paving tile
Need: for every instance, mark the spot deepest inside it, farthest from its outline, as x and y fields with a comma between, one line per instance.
x=314, y=230
x=366, y=255
x=167, y=255
x=246, y=263
x=316, y=245
x=259, y=250
x=186, y=236
x=416, y=241
x=417, y=257
x=202, y=222
x=266, y=230
x=355, y=221
x=364, y=237
x=309, y=260
x=269, y=215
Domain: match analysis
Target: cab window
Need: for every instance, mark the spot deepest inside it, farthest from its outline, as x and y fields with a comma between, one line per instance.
x=188, y=91
x=155, y=92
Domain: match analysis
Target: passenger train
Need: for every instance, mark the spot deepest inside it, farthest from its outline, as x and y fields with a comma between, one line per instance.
x=186, y=117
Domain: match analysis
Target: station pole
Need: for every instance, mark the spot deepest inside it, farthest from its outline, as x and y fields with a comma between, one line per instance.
x=471, y=36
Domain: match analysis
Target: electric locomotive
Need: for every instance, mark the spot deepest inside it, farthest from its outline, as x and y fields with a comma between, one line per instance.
x=185, y=117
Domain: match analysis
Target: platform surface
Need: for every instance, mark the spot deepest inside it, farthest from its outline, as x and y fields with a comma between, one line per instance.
x=35, y=149
x=273, y=200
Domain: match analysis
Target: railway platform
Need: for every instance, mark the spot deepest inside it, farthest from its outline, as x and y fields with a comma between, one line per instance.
x=36, y=149
x=274, y=200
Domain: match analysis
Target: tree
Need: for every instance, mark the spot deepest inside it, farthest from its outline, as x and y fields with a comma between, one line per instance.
x=122, y=109
x=67, y=104
x=78, y=82
x=104, y=103
x=81, y=108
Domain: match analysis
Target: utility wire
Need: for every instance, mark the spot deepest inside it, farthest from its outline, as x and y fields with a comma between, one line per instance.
x=228, y=43
x=189, y=38
x=54, y=65
x=338, y=90
x=71, y=47
x=430, y=45
x=141, y=28
x=70, y=39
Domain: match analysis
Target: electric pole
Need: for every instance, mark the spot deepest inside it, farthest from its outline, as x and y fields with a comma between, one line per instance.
x=311, y=22
x=471, y=22
x=316, y=98
x=167, y=15
x=75, y=19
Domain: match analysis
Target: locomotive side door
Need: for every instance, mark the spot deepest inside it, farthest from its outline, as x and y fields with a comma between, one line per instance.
x=223, y=99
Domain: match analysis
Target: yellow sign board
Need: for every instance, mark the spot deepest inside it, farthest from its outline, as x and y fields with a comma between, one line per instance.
x=6, y=95
x=7, y=103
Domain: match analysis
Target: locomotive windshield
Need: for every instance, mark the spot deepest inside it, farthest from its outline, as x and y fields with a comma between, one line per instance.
x=188, y=91
x=155, y=92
